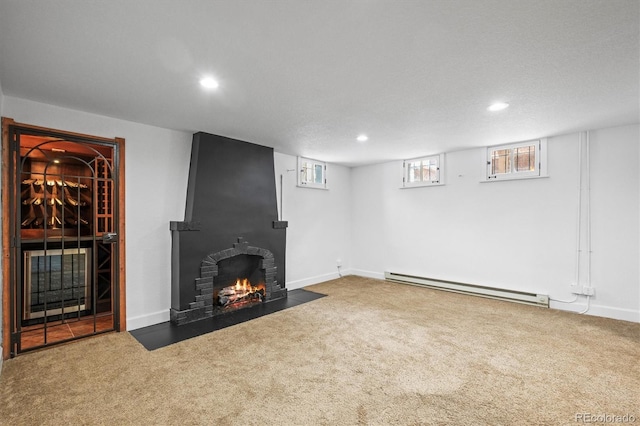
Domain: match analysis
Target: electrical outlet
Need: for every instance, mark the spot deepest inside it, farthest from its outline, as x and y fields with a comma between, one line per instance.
x=339, y=262
x=584, y=290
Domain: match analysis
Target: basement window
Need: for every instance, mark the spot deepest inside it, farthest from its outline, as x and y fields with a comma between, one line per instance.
x=312, y=173
x=520, y=160
x=424, y=171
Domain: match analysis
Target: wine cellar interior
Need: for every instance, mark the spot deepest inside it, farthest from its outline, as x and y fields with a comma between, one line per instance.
x=66, y=240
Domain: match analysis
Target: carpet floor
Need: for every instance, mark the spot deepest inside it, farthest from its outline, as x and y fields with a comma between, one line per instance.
x=371, y=353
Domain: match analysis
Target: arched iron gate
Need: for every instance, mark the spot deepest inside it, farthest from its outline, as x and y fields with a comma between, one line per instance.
x=64, y=245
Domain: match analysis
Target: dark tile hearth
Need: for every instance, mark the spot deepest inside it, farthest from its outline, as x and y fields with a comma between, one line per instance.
x=164, y=334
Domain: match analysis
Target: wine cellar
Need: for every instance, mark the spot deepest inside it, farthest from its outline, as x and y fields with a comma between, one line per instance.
x=65, y=259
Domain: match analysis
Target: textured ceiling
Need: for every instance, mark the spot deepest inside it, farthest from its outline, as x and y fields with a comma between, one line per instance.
x=306, y=77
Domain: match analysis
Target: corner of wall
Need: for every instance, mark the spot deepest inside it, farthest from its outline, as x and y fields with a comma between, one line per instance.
x=1, y=219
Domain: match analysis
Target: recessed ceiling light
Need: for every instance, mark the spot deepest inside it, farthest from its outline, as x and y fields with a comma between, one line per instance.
x=362, y=138
x=209, y=83
x=498, y=106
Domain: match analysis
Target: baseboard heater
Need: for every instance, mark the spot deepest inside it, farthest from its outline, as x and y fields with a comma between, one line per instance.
x=472, y=289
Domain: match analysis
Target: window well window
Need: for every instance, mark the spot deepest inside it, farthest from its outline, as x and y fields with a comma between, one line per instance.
x=517, y=160
x=423, y=171
x=312, y=173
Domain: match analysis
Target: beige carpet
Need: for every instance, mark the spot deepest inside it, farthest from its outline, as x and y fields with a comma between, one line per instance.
x=371, y=352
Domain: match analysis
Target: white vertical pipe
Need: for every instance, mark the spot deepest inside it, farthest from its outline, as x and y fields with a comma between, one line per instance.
x=588, y=177
x=588, y=210
x=579, y=213
x=576, y=280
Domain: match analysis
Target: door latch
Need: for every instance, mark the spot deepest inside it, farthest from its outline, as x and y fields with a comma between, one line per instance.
x=109, y=237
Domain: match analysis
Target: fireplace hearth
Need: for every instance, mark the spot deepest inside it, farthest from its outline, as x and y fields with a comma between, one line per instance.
x=231, y=196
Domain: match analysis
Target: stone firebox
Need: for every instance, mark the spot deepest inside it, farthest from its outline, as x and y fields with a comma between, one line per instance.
x=204, y=305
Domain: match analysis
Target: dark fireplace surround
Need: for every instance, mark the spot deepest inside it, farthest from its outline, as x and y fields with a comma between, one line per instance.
x=231, y=230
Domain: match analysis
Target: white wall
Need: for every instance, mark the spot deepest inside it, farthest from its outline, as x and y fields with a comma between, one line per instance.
x=518, y=235
x=615, y=212
x=157, y=166
x=319, y=229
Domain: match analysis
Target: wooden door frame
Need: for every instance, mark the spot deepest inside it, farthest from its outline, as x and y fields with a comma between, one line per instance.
x=121, y=321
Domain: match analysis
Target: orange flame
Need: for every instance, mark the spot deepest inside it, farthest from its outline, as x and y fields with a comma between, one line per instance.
x=242, y=291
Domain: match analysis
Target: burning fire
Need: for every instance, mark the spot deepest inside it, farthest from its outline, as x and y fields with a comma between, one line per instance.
x=240, y=293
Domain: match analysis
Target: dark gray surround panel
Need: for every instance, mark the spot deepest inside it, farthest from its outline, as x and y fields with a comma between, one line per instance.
x=231, y=194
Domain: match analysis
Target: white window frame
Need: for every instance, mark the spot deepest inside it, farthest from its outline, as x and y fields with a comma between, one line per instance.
x=540, y=162
x=406, y=181
x=303, y=173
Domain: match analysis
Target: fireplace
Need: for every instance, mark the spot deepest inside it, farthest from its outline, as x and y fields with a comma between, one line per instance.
x=229, y=252
x=231, y=279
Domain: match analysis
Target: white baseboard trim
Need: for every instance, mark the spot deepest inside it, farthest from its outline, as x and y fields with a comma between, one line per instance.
x=293, y=285
x=594, y=309
x=598, y=310
x=367, y=274
x=135, y=323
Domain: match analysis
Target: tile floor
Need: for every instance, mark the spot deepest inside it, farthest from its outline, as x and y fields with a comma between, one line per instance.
x=58, y=331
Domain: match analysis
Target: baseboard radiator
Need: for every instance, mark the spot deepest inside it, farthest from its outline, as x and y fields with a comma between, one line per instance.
x=476, y=290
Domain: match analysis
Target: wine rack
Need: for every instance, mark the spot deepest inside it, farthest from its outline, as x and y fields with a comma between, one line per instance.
x=66, y=199
x=104, y=195
x=56, y=203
